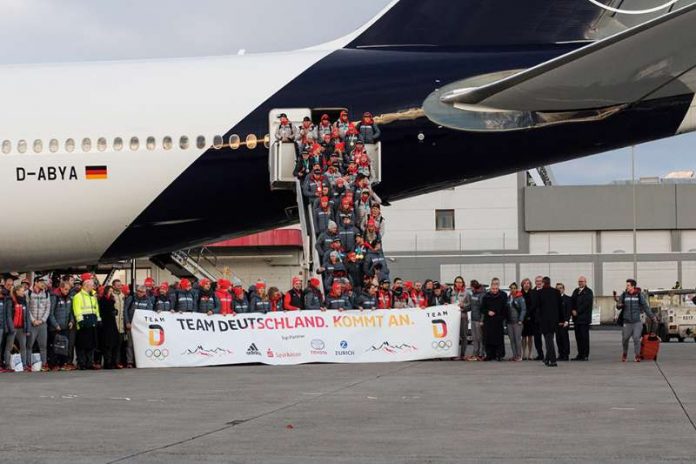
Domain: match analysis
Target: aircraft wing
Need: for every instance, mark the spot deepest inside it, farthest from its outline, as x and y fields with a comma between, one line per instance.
x=654, y=60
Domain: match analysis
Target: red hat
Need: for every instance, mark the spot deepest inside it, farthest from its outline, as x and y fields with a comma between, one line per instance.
x=185, y=284
x=324, y=199
x=315, y=282
x=408, y=284
x=336, y=287
x=351, y=255
x=324, y=117
x=149, y=282
x=367, y=114
x=260, y=285
x=164, y=284
x=238, y=291
x=371, y=222
x=346, y=201
x=295, y=280
x=204, y=282
x=83, y=277
x=224, y=284
x=340, y=146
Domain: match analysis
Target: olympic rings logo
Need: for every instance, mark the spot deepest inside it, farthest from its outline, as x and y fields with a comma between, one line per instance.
x=441, y=344
x=157, y=353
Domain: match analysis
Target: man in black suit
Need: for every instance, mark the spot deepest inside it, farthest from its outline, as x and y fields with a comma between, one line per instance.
x=562, y=336
x=549, y=317
x=581, y=303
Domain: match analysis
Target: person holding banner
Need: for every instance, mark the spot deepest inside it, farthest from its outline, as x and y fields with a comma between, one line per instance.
x=494, y=310
x=162, y=301
x=313, y=299
x=240, y=305
x=336, y=299
x=294, y=298
x=368, y=299
x=183, y=298
x=260, y=303
x=207, y=302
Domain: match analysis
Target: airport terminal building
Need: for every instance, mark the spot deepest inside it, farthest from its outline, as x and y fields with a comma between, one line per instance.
x=522, y=225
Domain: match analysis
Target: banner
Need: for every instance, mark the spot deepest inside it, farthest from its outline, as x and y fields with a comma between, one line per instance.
x=296, y=337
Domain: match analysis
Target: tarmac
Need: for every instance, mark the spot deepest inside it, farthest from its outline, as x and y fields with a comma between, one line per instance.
x=417, y=412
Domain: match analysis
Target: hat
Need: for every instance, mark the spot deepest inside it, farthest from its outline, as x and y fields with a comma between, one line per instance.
x=296, y=280
x=223, y=284
x=359, y=142
x=185, y=284
x=307, y=118
x=260, y=285
x=282, y=115
x=351, y=255
x=436, y=284
x=324, y=117
x=164, y=284
x=408, y=284
x=238, y=291
x=336, y=239
x=236, y=282
x=324, y=199
x=315, y=282
x=204, y=282
x=371, y=222
x=365, y=191
x=336, y=287
x=367, y=114
x=149, y=282
x=83, y=277
x=332, y=225
x=384, y=281
x=344, y=112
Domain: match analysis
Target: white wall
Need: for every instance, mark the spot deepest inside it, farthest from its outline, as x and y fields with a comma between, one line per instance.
x=481, y=272
x=543, y=243
x=649, y=241
x=652, y=275
x=486, y=218
x=688, y=241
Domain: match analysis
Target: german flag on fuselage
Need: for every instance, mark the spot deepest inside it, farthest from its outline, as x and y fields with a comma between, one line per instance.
x=96, y=172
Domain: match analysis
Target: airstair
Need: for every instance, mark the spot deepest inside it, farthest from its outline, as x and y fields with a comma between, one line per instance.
x=196, y=263
x=281, y=166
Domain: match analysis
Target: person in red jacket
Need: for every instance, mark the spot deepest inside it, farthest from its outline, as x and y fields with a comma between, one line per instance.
x=418, y=297
x=384, y=295
x=224, y=296
x=294, y=298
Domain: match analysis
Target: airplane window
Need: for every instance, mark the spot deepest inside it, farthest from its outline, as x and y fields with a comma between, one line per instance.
x=22, y=146
x=53, y=145
x=69, y=145
x=150, y=143
x=251, y=141
x=235, y=141
x=200, y=141
x=38, y=146
x=86, y=144
x=217, y=142
x=6, y=146
x=101, y=144
x=167, y=143
x=184, y=142
x=134, y=143
x=266, y=140
x=118, y=144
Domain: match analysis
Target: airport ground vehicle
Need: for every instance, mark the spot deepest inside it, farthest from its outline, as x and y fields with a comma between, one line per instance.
x=676, y=313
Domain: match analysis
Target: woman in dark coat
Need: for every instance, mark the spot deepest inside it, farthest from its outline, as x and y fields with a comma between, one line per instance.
x=528, y=326
x=110, y=340
x=494, y=312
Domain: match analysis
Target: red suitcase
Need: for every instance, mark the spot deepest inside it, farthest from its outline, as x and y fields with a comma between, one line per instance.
x=649, y=347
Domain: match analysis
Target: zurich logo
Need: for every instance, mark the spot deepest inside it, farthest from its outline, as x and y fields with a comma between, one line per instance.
x=344, y=344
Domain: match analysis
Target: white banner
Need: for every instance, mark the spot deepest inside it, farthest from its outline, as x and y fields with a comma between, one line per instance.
x=193, y=339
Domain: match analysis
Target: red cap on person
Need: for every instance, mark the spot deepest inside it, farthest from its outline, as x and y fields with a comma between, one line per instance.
x=204, y=282
x=260, y=285
x=296, y=280
x=371, y=222
x=149, y=282
x=238, y=291
x=224, y=284
x=336, y=288
x=185, y=284
x=164, y=285
x=314, y=281
x=84, y=276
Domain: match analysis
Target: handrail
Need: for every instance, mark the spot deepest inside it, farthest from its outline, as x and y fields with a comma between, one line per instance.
x=313, y=240
x=306, y=240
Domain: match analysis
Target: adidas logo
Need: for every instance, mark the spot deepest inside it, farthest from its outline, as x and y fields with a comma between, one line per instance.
x=253, y=350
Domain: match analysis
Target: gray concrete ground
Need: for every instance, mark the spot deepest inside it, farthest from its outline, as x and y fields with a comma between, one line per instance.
x=433, y=411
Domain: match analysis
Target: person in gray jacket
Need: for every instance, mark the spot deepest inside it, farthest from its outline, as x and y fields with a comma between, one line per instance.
x=517, y=310
x=61, y=322
x=477, y=342
x=461, y=297
x=632, y=303
x=313, y=299
x=39, y=303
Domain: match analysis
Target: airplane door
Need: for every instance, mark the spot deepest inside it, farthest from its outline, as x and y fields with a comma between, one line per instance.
x=282, y=156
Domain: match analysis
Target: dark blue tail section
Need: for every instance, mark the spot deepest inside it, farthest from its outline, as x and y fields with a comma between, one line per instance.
x=476, y=23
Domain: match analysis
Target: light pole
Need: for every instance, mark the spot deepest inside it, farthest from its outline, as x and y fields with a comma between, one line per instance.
x=635, y=212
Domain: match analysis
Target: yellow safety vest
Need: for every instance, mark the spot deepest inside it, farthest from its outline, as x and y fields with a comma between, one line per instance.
x=85, y=303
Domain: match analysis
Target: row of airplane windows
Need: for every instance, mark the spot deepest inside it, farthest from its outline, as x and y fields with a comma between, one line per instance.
x=234, y=142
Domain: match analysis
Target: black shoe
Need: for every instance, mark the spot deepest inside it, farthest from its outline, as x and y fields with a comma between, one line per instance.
x=552, y=364
x=539, y=358
x=563, y=358
x=546, y=363
x=578, y=358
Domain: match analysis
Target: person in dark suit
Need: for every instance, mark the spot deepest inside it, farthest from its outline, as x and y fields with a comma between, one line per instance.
x=562, y=336
x=550, y=315
x=538, y=343
x=581, y=304
x=494, y=312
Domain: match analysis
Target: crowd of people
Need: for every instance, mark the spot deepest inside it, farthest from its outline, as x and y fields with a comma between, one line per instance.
x=79, y=319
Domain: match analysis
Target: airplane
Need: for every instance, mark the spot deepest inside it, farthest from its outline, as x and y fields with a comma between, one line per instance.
x=107, y=161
